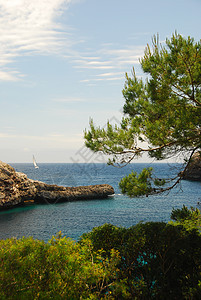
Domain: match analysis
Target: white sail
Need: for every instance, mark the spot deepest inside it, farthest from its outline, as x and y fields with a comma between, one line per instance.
x=34, y=162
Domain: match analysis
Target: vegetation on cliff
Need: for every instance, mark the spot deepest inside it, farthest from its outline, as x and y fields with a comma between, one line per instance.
x=153, y=260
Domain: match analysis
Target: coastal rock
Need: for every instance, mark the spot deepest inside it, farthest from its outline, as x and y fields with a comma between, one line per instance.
x=193, y=171
x=54, y=193
x=17, y=189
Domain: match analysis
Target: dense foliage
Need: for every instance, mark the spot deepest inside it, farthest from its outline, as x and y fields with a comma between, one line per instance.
x=163, y=112
x=32, y=269
x=153, y=260
x=158, y=260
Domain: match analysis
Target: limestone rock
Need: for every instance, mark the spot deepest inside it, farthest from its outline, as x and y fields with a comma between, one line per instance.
x=54, y=193
x=193, y=171
x=16, y=188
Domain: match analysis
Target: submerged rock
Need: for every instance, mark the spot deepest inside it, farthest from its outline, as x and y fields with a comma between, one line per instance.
x=193, y=171
x=17, y=189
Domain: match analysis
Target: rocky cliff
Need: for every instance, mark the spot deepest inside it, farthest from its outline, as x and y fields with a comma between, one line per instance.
x=16, y=189
x=193, y=171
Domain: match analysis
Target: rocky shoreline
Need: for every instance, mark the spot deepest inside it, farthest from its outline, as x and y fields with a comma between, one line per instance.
x=16, y=189
x=193, y=171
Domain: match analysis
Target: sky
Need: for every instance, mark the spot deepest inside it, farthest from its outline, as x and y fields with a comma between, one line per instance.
x=63, y=62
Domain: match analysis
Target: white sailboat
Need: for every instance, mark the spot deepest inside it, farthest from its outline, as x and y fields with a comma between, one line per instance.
x=34, y=162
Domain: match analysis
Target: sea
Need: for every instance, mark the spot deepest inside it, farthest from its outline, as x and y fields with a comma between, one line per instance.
x=42, y=221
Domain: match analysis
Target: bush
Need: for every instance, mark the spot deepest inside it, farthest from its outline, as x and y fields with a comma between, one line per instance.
x=158, y=260
x=151, y=260
x=31, y=269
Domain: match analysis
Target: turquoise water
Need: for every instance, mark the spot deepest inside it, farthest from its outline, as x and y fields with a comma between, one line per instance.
x=75, y=218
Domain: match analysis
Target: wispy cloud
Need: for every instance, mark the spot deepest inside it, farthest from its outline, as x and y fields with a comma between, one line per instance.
x=29, y=27
x=8, y=75
x=111, y=58
x=97, y=65
x=94, y=79
x=106, y=75
x=32, y=27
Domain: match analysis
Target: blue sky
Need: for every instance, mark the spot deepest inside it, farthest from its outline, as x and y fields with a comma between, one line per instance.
x=64, y=61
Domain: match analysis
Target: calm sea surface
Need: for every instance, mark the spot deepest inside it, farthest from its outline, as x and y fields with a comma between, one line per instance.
x=75, y=218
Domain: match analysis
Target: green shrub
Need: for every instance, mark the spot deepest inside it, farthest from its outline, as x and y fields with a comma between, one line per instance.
x=158, y=260
x=31, y=269
x=151, y=260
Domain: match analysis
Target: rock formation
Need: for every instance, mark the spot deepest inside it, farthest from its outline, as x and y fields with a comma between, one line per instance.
x=16, y=189
x=193, y=171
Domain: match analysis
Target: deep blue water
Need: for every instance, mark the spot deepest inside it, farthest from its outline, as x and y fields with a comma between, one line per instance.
x=75, y=218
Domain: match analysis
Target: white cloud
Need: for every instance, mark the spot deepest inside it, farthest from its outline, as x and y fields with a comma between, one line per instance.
x=26, y=27
x=103, y=79
x=109, y=74
x=111, y=57
x=8, y=75
x=30, y=27
x=115, y=61
x=95, y=66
